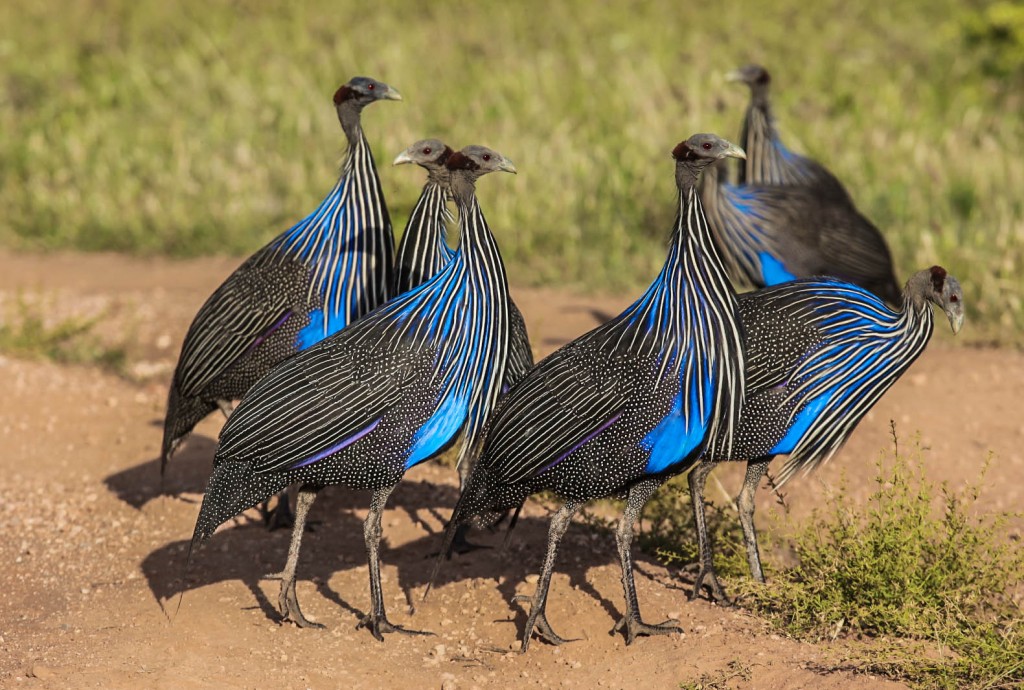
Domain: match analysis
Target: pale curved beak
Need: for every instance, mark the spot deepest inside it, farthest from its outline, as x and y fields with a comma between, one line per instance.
x=402, y=158
x=507, y=166
x=392, y=94
x=956, y=320
x=735, y=151
x=734, y=75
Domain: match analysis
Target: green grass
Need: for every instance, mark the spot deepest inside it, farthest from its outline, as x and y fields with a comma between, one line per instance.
x=24, y=333
x=195, y=127
x=936, y=594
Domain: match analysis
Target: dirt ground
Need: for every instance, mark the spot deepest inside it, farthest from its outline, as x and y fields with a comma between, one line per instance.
x=93, y=548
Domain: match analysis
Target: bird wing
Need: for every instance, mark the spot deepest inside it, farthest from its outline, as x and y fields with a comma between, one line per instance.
x=320, y=400
x=245, y=309
x=564, y=402
x=778, y=333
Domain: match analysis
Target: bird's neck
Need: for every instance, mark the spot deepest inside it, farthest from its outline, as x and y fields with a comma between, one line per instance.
x=350, y=117
x=693, y=269
x=427, y=221
x=916, y=305
x=424, y=247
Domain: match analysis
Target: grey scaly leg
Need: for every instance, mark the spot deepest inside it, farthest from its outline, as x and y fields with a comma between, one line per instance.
x=537, y=619
x=376, y=620
x=698, y=477
x=755, y=470
x=287, y=602
x=639, y=493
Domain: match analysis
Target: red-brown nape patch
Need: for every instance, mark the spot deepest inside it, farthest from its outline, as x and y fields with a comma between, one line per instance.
x=938, y=278
x=681, y=151
x=342, y=94
x=445, y=155
x=460, y=161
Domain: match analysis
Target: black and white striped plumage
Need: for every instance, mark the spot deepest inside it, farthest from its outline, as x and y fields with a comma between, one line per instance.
x=392, y=390
x=323, y=273
x=771, y=234
x=627, y=405
x=820, y=354
x=768, y=160
x=424, y=250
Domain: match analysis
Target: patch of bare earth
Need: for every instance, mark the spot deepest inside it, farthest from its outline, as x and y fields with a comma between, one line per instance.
x=94, y=547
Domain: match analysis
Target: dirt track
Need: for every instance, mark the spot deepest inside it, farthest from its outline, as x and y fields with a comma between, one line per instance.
x=94, y=549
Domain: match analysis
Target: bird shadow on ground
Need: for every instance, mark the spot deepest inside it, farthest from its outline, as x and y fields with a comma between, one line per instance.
x=247, y=553
x=581, y=549
x=187, y=472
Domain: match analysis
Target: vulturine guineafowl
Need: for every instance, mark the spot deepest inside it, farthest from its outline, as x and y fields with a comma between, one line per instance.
x=769, y=234
x=424, y=250
x=768, y=160
x=390, y=391
x=820, y=354
x=625, y=406
x=313, y=280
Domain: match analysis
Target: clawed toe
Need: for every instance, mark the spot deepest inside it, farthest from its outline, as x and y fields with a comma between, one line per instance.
x=539, y=624
x=289, y=604
x=635, y=627
x=717, y=593
x=379, y=625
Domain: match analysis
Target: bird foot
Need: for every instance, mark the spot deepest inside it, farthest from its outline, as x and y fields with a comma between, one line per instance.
x=379, y=625
x=635, y=627
x=288, y=604
x=717, y=593
x=538, y=623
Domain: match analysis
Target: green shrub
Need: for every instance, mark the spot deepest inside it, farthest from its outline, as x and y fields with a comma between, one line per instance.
x=890, y=569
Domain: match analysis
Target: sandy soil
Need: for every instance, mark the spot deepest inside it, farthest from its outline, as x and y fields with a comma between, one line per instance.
x=94, y=548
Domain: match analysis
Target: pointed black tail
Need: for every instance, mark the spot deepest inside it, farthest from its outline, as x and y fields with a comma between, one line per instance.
x=183, y=413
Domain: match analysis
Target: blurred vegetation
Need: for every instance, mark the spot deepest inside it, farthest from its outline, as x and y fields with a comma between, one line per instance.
x=195, y=127
x=996, y=31
x=24, y=333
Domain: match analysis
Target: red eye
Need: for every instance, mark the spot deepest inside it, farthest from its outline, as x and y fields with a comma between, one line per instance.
x=487, y=156
x=706, y=146
x=427, y=150
x=371, y=87
x=954, y=298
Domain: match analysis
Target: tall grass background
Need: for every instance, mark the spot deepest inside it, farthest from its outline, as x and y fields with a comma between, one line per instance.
x=194, y=127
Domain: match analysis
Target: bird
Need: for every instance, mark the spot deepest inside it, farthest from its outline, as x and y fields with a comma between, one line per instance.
x=820, y=354
x=314, y=279
x=388, y=392
x=769, y=234
x=623, y=407
x=768, y=160
x=424, y=250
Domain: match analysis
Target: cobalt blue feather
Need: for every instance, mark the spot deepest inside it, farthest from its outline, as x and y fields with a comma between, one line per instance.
x=820, y=354
x=323, y=273
x=627, y=405
x=377, y=398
